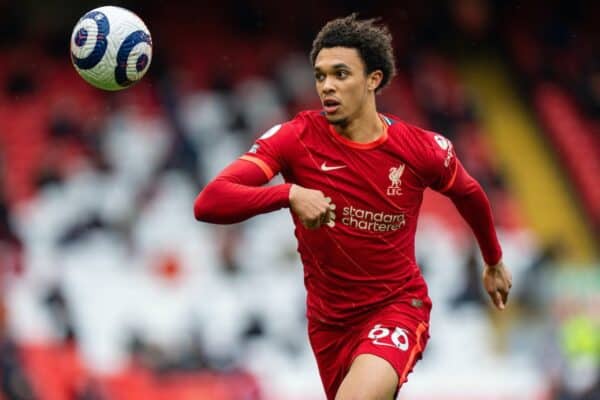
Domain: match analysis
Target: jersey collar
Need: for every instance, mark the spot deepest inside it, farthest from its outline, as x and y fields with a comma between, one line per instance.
x=362, y=146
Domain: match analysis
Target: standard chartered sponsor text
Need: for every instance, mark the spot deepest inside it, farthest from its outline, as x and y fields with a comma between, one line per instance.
x=369, y=220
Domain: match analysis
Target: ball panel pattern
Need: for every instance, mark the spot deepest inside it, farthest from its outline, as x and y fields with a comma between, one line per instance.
x=86, y=54
x=111, y=48
x=126, y=72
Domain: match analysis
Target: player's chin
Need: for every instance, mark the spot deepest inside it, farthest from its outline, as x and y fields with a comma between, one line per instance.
x=336, y=119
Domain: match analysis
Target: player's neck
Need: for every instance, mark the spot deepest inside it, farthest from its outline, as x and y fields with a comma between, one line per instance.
x=364, y=128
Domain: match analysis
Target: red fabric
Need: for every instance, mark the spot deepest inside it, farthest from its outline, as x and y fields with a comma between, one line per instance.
x=472, y=203
x=365, y=259
x=56, y=371
x=235, y=195
x=398, y=333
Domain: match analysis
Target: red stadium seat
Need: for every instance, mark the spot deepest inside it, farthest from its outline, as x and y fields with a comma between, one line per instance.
x=575, y=140
x=55, y=370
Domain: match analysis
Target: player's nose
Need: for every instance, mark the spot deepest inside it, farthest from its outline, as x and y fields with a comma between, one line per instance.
x=327, y=85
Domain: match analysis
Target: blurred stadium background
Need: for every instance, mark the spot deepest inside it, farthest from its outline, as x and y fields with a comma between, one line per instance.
x=109, y=289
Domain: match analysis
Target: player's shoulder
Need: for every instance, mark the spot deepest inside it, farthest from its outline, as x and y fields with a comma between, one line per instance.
x=310, y=119
x=296, y=126
x=420, y=140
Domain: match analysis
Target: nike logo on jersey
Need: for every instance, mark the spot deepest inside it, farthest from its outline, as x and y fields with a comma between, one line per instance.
x=325, y=167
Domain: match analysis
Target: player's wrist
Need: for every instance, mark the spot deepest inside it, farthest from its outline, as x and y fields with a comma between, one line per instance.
x=495, y=265
x=291, y=191
x=285, y=190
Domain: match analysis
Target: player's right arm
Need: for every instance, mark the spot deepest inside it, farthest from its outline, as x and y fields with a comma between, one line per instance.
x=237, y=193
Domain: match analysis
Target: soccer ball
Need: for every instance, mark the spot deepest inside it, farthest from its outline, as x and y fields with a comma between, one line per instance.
x=111, y=48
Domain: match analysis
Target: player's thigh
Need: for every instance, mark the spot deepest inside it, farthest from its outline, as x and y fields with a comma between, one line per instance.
x=397, y=336
x=370, y=378
x=332, y=349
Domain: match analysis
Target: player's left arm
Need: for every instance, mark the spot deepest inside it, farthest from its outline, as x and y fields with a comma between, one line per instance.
x=473, y=205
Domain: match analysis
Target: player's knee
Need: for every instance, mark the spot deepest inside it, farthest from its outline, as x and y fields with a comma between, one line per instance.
x=363, y=394
x=365, y=391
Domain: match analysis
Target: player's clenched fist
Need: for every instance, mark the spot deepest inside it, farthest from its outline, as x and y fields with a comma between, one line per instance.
x=311, y=206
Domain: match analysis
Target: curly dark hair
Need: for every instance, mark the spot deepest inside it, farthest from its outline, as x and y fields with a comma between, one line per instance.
x=373, y=42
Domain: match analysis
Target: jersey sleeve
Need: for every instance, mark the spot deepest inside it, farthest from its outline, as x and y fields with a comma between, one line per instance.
x=473, y=205
x=271, y=151
x=446, y=174
x=439, y=161
x=440, y=169
x=237, y=194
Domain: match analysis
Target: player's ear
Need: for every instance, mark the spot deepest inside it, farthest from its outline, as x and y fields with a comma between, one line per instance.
x=374, y=79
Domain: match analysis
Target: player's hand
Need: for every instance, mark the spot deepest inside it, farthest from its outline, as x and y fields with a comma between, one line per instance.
x=311, y=206
x=497, y=281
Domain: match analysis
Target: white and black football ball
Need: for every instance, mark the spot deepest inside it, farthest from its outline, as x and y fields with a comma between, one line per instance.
x=111, y=48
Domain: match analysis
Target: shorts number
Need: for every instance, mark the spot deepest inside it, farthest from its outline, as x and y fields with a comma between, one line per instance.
x=399, y=338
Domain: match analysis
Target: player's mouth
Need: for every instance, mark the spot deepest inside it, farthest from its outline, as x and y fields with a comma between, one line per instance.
x=331, y=106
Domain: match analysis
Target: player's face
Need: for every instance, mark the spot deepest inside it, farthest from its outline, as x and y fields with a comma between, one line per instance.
x=342, y=83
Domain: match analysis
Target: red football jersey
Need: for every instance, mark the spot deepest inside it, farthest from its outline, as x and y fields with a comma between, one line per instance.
x=365, y=258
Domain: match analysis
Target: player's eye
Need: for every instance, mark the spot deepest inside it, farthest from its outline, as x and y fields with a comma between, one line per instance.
x=341, y=74
x=319, y=76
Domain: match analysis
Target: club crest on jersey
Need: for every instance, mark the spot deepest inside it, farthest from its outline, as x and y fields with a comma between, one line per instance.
x=395, y=176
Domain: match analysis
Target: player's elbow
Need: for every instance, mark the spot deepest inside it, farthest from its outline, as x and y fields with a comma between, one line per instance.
x=471, y=188
x=205, y=206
